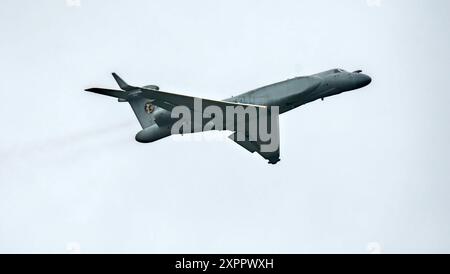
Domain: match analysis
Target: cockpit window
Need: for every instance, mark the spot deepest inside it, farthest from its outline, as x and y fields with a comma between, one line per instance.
x=331, y=71
x=338, y=70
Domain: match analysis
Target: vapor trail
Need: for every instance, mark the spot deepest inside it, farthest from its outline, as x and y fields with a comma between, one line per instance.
x=52, y=145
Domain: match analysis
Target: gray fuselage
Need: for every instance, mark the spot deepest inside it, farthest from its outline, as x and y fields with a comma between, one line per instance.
x=298, y=91
x=162, y=114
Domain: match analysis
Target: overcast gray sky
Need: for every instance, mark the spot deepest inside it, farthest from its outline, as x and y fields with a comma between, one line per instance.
x=362, y=169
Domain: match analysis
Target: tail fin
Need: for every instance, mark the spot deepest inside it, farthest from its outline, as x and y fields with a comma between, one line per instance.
x=142, y=107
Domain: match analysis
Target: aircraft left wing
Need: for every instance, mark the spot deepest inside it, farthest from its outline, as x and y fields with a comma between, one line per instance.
x=168, y=100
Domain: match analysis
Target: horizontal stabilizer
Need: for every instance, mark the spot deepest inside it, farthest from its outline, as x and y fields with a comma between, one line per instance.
x=109, y=92
x=142, y=107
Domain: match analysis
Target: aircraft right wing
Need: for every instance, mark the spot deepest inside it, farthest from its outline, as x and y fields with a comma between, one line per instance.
x=255, y=146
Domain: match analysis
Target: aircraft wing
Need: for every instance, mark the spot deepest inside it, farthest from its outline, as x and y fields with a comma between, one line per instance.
x=255, y=146
x=168, y=100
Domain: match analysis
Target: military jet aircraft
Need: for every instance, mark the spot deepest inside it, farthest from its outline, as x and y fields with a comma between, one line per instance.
x=153, y=107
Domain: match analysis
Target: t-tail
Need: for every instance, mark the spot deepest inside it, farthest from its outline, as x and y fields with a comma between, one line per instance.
x=142, y=107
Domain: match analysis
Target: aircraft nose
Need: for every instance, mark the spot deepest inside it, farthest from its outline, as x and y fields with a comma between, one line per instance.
x=364, y=79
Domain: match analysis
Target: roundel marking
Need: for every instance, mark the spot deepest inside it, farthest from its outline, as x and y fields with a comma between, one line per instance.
x=149, y=107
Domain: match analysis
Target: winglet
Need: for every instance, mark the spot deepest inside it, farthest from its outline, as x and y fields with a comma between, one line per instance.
x=122, y=84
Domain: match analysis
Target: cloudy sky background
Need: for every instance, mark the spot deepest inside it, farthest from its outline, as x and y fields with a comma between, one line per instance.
x=363, y=169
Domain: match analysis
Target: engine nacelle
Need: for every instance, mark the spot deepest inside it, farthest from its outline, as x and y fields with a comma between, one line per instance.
x=152, y=87
x=152, y=133
x=162, y=117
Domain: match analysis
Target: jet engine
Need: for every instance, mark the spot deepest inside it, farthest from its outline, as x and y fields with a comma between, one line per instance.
x=152, y=133
x=162, y=117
